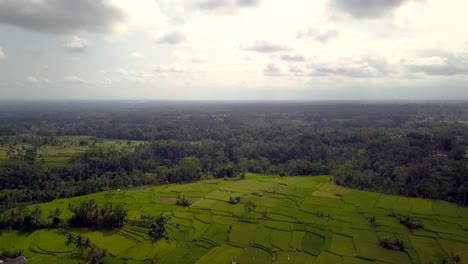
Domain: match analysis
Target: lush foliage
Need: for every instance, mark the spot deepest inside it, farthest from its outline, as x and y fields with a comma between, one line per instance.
x=158, y=228
x=406, y=149
x=90, y=214
x=183, y=201
x=393, y=244
x=87, y=249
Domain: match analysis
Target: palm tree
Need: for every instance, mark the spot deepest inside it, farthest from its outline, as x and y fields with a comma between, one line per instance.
x=87, y=243
x=79, y=242
x=69, y=240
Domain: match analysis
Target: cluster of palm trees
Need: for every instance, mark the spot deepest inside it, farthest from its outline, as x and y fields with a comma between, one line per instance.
x=86, y=248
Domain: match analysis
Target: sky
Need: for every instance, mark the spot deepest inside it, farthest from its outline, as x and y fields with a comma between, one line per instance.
x=234, y=49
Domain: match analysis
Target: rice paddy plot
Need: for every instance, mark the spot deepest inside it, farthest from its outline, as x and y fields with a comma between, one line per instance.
x=254, y=255
x=220, y=255
x=456, y=248
x=262, y=239
x=427, y=249
x=373, y=251
x=445, y=208
x=387, y=201
x=361, y=199
x=184, y=253
x=280, y=239
x=421, y=206
x=342, y=245
x=217, y=234
x=294, y=258
x=283, y=228
x=327, y=257
x=313, y=243
x=242, y=233
x=114, y=242
x=296, y=240
x=323, y=201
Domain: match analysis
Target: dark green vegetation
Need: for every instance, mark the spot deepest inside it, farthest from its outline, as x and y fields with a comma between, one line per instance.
x=53, y=150
x=212, y=230
x=86, y=162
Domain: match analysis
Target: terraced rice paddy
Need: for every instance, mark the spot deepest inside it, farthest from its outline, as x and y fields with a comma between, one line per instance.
x=285, y=227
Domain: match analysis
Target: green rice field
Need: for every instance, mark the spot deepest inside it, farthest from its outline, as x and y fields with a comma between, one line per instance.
x=58, y=156
x=285, y=226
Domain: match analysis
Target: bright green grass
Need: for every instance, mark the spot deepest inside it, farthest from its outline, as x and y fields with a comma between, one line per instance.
x=214, y=231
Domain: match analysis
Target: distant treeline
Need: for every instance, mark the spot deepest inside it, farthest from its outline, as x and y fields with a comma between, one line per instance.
x=407, y=149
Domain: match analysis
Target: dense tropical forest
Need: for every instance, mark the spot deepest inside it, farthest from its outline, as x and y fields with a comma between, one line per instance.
x=410, y=149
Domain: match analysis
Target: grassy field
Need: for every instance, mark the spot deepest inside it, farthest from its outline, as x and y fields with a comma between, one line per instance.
x=57, y=156
x=284, y=228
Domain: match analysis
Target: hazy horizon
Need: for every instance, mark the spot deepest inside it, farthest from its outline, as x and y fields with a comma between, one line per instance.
x=234, y=50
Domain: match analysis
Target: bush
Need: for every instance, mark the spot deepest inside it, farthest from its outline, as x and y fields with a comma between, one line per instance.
x=182, y=201
x=234, y=200
x=10, y=253
x=392, y=244
x=411, y=223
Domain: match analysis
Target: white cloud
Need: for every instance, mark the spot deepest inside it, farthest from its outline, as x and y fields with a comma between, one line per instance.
x=272, y=70
x=173, y=68
x=31, y=80
x=137, y=55
x=172, y=38
x=76, y=44
x=319, y=35
x=292, y=57
x=59, y=16
x=140, y=16
x=265, y=47
x=74, y=80
x=355, y=43
x=2, y=54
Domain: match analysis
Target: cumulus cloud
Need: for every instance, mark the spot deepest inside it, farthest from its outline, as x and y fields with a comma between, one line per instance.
x=367, y=67
x=438, y=65
x=265, y=47
x=74, y=80
x=2, y=54
x=172, y=38
x=137, y=55
x=216, y=5
x=366, y=8
x=248, y=3
x=296, y=69
x=322, y=36
x=173, y=68
x=76, y=44
x=272, y=70
x=31, y=80
x=292, y=57
x=60, y=16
